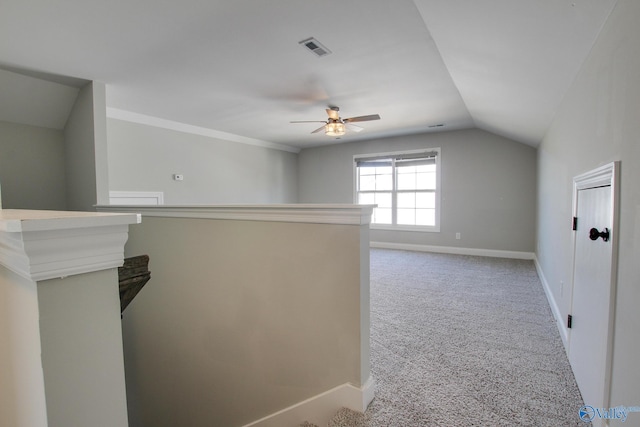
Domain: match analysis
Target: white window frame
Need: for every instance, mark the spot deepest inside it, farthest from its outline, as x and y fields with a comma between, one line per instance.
x=423, y=228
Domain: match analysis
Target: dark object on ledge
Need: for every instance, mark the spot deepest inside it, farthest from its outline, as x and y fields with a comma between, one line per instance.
x=132, y=276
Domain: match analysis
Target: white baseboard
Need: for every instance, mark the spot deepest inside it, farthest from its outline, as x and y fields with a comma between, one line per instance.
x=564, y=333
x=454, y=250
x=321, y=408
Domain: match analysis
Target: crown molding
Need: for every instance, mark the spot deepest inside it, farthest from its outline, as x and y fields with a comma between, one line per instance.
x=143, y=119
x=42, y=245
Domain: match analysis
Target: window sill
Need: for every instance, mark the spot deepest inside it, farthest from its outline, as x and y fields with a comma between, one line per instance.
x=422, y=229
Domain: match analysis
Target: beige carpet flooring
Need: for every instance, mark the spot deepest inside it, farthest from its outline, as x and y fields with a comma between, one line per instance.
x=463, y=341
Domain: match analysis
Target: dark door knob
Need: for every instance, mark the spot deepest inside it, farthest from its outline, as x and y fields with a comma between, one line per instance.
x=594, y=234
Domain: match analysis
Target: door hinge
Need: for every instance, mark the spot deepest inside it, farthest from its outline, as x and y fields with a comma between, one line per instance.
x=575, y=223
x=569, y=321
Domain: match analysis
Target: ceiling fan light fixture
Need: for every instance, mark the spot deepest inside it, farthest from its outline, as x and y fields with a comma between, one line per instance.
x=335, y=129
x=337, y=126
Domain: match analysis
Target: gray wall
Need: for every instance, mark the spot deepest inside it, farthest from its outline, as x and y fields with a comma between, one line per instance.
x=82, y=353
x=144, y=158
x=488, y=187
x=52, y=167
x=242, y=318
x=32, y=167
x=598, y=122
x=85, y=151
x=22, y=393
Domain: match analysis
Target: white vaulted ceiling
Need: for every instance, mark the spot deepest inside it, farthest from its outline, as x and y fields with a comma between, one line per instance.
x=235, y=66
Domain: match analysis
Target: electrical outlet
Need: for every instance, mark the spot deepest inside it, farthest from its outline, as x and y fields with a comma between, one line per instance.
x=457, y=236
x=178, y=177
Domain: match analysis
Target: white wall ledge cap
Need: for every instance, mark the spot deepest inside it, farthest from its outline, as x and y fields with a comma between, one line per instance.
x=19, y=220
x=347, y=214
x=41, y=245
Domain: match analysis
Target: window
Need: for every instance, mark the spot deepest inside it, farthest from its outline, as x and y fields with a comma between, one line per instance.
x=404, y=185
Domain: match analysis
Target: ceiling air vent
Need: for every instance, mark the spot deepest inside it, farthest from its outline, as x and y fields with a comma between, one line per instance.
x=315, y=46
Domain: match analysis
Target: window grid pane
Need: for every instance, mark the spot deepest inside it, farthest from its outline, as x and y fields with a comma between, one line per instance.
x=367, y=182
x=375, y=178
x=406, y=181
x=426, y=180
x=406, y=216
x=407, y=200
x=382, y=216
x=426, y=199
x=426, y=217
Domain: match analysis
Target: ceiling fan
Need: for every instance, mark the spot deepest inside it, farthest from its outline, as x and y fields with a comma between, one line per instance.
x=337, y=126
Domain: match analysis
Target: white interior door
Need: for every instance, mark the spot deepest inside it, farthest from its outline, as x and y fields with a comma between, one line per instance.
x=592, y=294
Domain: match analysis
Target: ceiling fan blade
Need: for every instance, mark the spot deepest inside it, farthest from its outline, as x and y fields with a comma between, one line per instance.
x=318, y=130
x=362, y=118
x=353, y=127
x=308, y=121
x=333, y=114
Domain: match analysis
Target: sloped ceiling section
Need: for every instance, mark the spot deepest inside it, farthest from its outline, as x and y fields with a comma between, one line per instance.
x=236, y=67
x=513, y=61
x=33, y=101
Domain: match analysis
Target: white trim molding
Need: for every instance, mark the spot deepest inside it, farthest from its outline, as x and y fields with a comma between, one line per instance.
x=321, y=408
x=143, y=119
x=312, y=213
x=41, y=245
x=454, y=250
x=555, y=310
x=151, y=198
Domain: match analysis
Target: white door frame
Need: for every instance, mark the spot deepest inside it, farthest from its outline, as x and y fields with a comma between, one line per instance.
x=607, y=175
